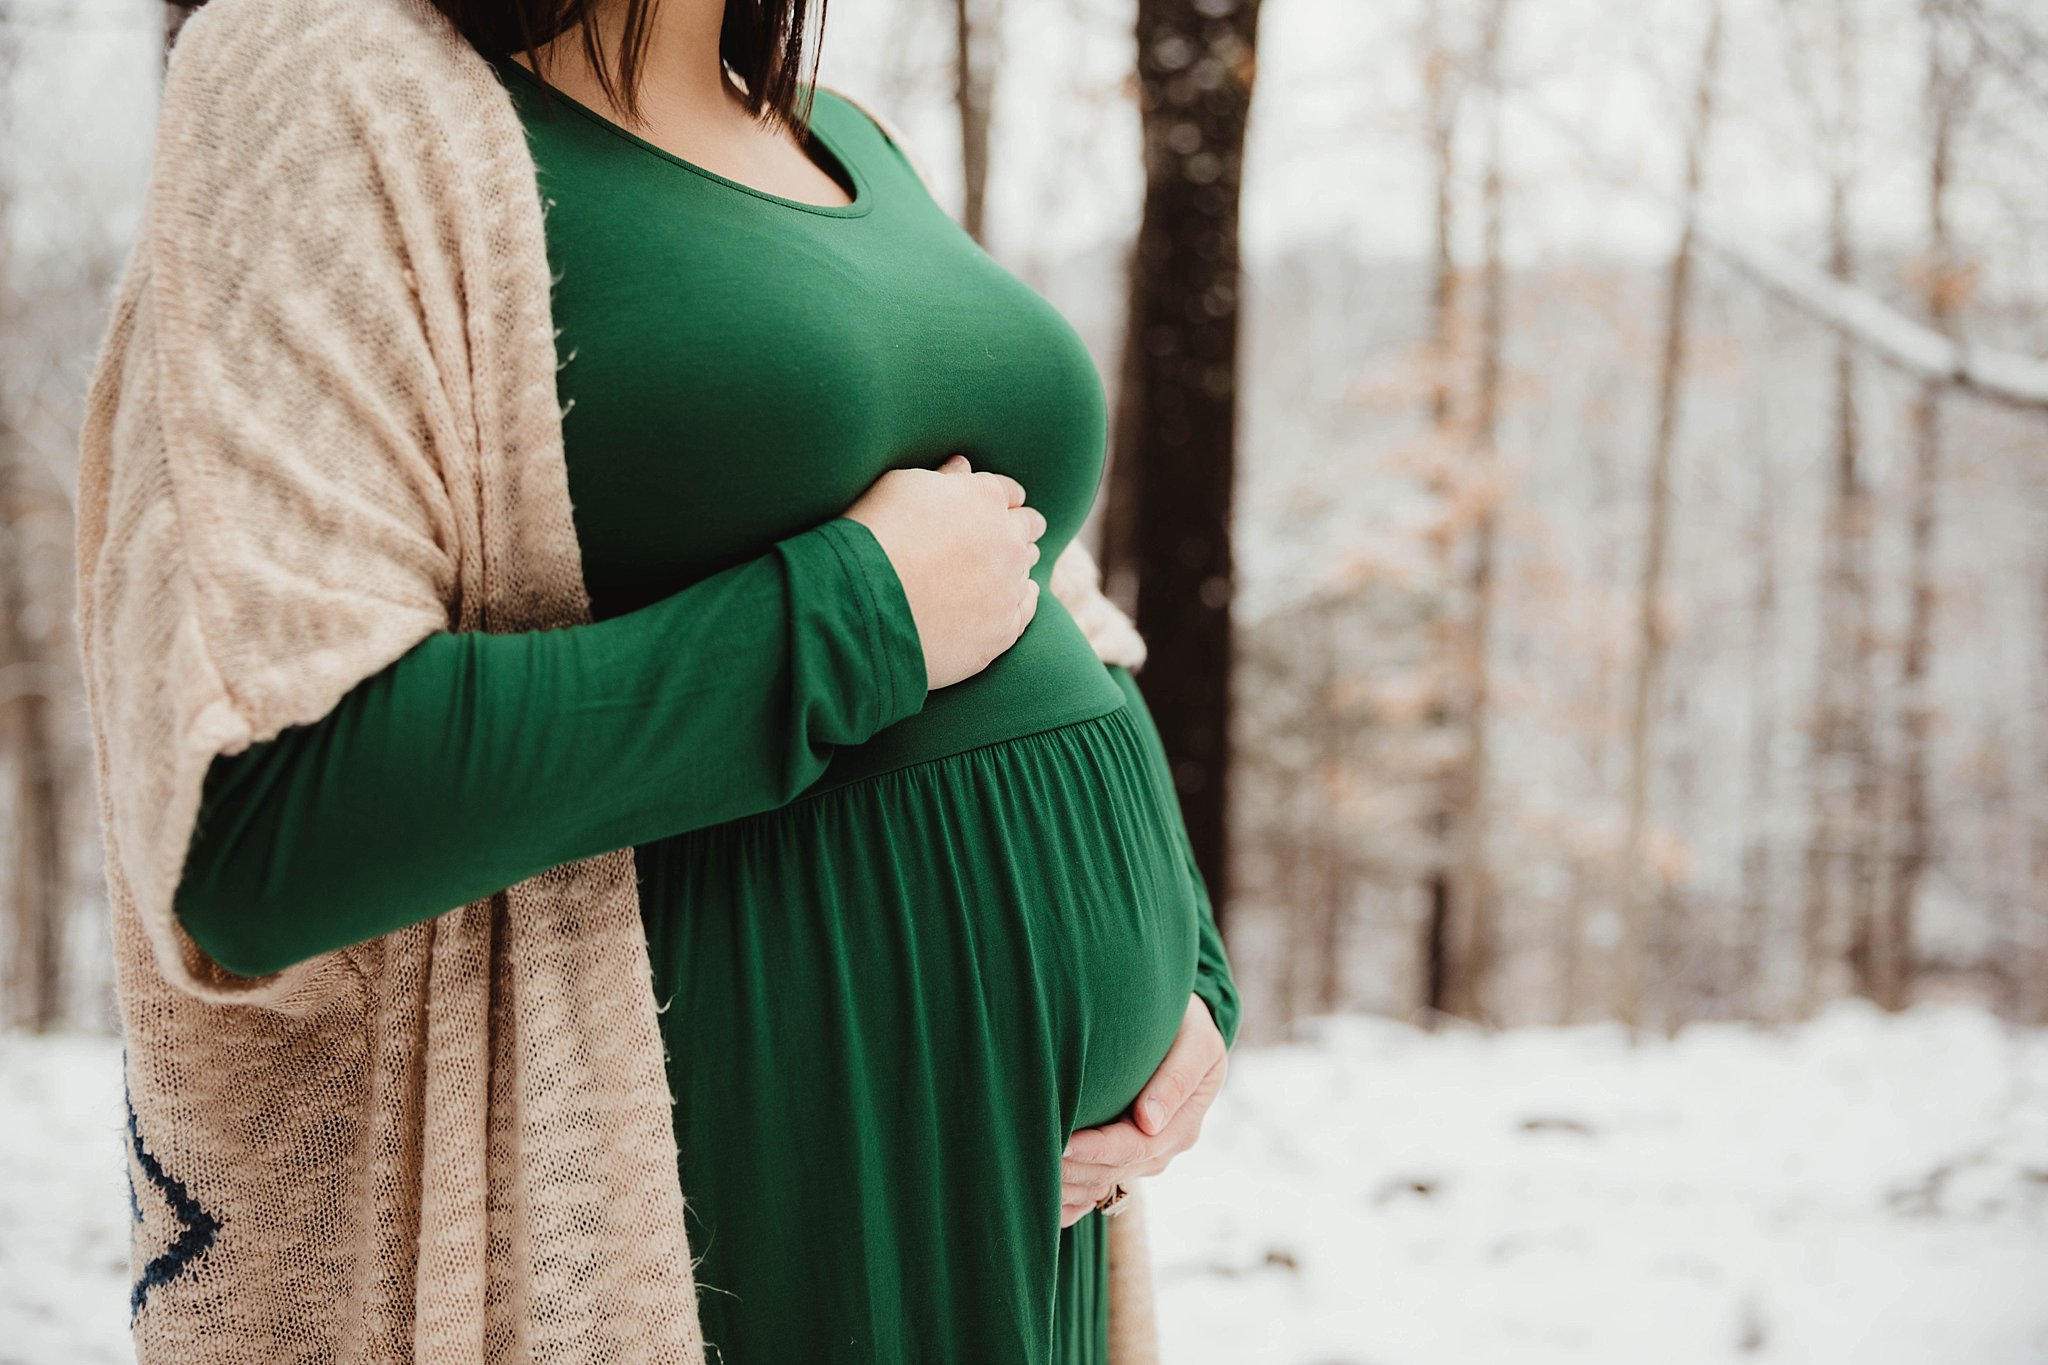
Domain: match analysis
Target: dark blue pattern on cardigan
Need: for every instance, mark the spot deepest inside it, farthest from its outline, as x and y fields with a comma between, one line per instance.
x=196, y=1227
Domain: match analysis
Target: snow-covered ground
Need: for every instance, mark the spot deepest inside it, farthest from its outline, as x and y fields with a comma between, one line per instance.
x=1860, y=1191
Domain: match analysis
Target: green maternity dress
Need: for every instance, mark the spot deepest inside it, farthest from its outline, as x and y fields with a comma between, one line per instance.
x=904, y=943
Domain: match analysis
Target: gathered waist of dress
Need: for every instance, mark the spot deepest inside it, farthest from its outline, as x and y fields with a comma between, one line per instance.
x=1050, y=677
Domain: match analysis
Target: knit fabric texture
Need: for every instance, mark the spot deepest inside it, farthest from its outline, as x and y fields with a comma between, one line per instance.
x=322, y=424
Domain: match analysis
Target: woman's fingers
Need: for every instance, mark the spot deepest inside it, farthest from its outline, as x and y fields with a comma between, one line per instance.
x=1008, y=488
x=1027, y=607
x=1117, y=1144
x=1184, y=1086
x=1123, y=1148
x=1197, y=1052
x=1012, y=492
x=1031, y=521
x=1072, y=1213
x=1030, y=525
x=1096, y=1158
x=1102, y=1179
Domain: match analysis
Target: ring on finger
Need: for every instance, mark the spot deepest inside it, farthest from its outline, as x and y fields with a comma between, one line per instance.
x=1114, y=1202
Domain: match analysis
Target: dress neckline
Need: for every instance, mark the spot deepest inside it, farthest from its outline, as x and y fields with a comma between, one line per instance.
x=815, y=141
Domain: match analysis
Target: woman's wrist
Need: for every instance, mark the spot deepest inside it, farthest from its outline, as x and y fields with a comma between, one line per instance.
x=900, y=674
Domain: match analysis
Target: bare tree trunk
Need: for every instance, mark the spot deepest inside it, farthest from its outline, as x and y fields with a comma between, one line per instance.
x=34, y=882
x=1443, y=93
x=1290, y=878
x=2001, y=781
x=1195, y=73
x=973, y=91
x=1571, y=940
x=2033, y=1002
x=1893, y=961
x=1333, y=892
x=1472, y=935
x=1591, y=882
x=1840, y=855
x=1117, y=555
x=1757, y=859
x=1638, y=901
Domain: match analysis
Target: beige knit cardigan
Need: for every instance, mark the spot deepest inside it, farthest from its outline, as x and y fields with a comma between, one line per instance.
x=321, y=426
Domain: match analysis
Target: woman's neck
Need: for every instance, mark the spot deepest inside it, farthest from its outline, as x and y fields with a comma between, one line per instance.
x=682, y=82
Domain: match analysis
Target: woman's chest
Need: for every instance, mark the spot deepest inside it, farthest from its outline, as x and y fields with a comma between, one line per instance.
x=737, y=368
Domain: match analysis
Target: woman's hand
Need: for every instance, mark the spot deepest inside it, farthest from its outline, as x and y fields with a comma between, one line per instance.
x=1168, y=1113
x=963, y=544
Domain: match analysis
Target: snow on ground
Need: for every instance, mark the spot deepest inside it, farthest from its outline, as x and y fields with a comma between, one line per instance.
x=1863, y=1190
x=63, y=1201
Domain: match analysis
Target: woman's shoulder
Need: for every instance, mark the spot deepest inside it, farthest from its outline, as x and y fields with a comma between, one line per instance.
x=374, y=111
x=867, y=109
x=339, y=168
x=284, y=62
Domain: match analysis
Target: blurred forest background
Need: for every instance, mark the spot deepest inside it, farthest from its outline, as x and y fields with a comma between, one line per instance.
x=1579, y=466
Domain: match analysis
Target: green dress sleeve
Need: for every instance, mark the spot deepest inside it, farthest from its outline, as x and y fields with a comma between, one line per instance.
x=1213, y=982
x=476, y=760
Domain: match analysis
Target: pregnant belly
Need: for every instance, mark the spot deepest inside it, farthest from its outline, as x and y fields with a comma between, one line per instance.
x=1049, y=677
x=996, y=947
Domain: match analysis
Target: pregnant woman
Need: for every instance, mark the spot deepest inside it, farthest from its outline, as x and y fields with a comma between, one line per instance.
x=917, y=902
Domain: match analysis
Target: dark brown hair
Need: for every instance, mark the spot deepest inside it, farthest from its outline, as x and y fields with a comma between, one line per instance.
x=762, y=42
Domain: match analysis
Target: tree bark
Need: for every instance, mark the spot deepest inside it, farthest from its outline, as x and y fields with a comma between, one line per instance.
x=1195, y=76
x=1639, y=902
x=1893, y=960
x=1333, y=853
x=1841, y=859
x=1443, y=99
x=35, y=881
x=1472, y=936
x=2033, y=1001
x=1758, y=862
x=973, y=93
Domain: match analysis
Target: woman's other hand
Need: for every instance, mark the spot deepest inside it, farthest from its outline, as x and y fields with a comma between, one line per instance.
x=1166, y=1119
x=963, y=544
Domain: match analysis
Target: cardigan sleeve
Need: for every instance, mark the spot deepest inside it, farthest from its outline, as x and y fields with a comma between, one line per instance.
x=279, y=463
x=477, y=760
x=1213, y=981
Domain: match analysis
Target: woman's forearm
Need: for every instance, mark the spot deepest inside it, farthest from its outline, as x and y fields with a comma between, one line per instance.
x=477, y=760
